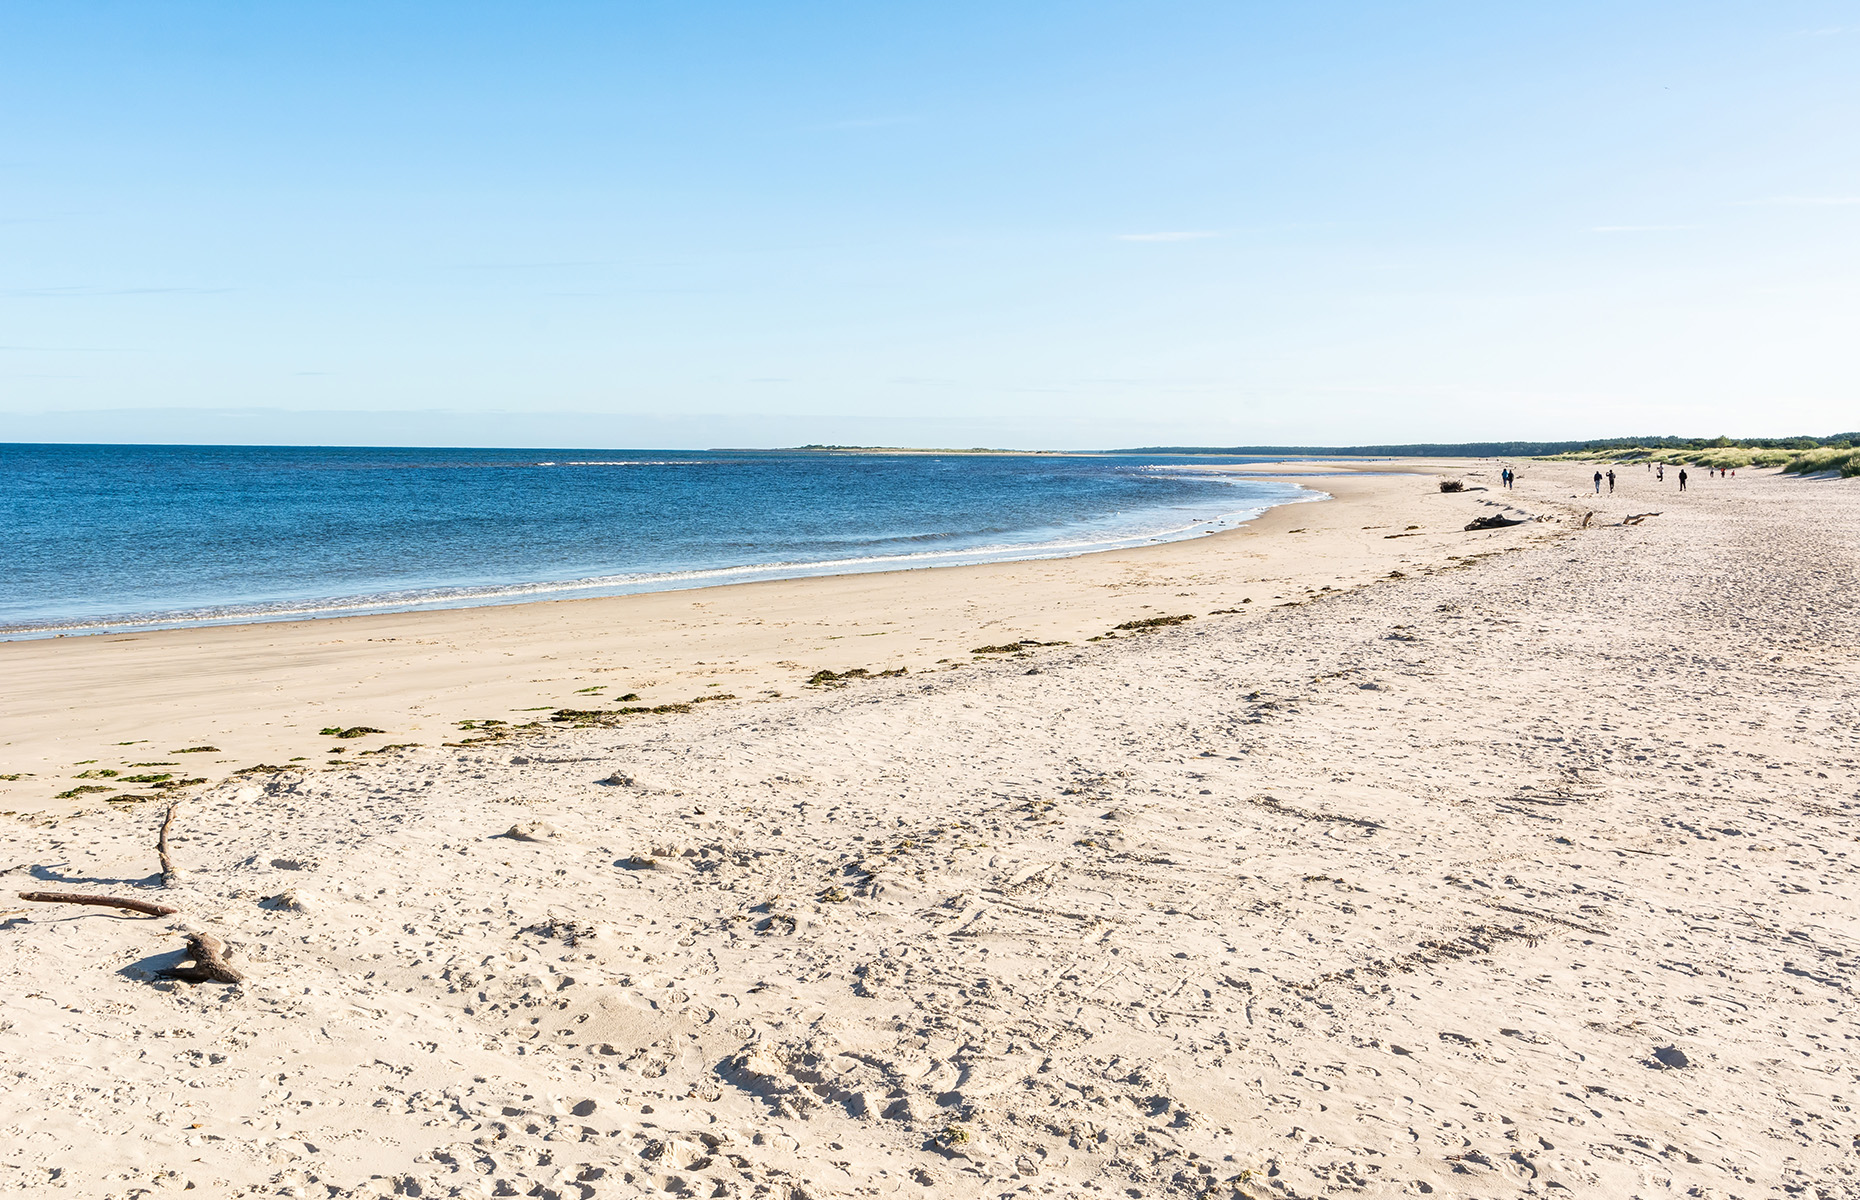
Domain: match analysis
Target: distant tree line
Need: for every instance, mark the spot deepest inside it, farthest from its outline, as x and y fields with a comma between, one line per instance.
x=1838, y=441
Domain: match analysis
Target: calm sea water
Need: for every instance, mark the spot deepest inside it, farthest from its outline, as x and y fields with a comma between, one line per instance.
x=109, y=537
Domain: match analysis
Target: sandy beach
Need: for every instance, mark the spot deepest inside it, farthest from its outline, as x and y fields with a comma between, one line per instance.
x=1419, y=862
x=259, y=694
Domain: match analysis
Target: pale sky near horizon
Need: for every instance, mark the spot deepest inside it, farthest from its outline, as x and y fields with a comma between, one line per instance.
x=1063, y=225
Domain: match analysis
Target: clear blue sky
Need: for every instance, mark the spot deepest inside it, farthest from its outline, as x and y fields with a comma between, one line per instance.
x=1038, y=224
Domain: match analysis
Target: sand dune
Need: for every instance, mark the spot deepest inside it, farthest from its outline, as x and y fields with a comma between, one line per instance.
x=1529, y=872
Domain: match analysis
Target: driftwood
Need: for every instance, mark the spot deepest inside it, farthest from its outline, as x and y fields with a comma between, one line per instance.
x=1636, y=518
x=206, y=952
x=141, y=906
x=210, y=966
x=168, y=874
x=1494, y=522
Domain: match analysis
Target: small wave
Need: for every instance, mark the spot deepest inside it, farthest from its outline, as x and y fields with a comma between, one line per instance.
x=626, y=583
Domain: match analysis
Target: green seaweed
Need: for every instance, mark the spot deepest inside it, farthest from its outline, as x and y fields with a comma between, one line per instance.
x=353, y=731
x=162, y=778
x=98, y=773
x=197, y=750
x=82, y=790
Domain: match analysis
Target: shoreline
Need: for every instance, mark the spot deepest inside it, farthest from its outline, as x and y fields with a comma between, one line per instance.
x=259, y=692
x=609, y=586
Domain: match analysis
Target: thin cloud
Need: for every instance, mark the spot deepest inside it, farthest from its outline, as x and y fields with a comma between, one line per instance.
x=1808, y=201
x=865, y=123
x=62, y=292
x=1639, y=228
x=1181, y=235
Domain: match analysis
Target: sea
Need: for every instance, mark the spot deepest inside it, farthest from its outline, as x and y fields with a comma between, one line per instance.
x=104, y=538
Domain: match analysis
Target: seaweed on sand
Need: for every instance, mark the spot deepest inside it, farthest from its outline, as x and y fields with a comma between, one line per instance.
x=606, y=716
x=83, y=789
x=353, y=731
x=841, y=678
x=1146, y=624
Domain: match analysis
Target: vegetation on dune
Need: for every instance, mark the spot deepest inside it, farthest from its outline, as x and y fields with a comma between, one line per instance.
x=1847, y=462
x=1803, y=455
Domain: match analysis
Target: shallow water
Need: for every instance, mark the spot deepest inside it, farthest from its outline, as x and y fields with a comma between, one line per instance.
x=108, y=537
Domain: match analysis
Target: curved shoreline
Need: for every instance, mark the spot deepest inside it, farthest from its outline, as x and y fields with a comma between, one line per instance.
x=259, y=692
x=620, y=584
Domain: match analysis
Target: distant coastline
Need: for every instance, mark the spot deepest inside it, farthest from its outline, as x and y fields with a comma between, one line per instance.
x=1515, y=449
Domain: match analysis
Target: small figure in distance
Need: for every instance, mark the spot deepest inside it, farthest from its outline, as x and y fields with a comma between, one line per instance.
x=1682, y=479
x=1611, y=481
x=1659, y=473
x=1598, y=483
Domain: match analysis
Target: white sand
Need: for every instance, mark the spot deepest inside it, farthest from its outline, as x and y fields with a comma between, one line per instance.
x=1526, y=874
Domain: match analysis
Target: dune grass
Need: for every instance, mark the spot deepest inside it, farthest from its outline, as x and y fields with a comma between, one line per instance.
x=1845, y=460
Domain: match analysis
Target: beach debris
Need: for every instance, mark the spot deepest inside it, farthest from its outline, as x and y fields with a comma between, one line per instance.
x=197, y=750
x=1014, y=647
x=532, y=831
x=353, y=731
x=169, y=876
x=841, y=678
x=208, y=954
x=83, y=789
x=147, y=907
x=1670, y=1058
x=1637, y=518
x=1495, y=521
x=1452, y=485
x=1147, y=624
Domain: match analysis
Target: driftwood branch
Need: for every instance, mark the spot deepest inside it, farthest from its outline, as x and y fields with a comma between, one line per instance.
x=1636, y=518
x=141, y=906
x=206, y=952
x=210, y=965
x=168, y=874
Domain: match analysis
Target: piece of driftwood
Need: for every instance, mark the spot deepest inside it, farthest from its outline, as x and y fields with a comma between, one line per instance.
x=141, y=906
x=1636, y=518
x=210, y=966
x=1494, y=522
x=206, y=953
x=168, y=874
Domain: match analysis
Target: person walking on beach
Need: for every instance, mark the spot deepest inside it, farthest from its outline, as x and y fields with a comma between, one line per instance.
x=1682, y=479
x=1598, y=483
x=1659, y=474
x=1611, y=481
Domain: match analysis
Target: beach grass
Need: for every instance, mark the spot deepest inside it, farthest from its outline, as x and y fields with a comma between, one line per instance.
x=1841, y=459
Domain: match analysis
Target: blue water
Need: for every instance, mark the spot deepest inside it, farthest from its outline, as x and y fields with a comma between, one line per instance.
x=110, y=537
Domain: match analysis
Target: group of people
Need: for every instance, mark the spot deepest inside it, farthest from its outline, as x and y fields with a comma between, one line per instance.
x=1509, y=478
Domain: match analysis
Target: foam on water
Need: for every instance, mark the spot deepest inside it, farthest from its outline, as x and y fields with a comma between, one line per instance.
x=109, y=537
